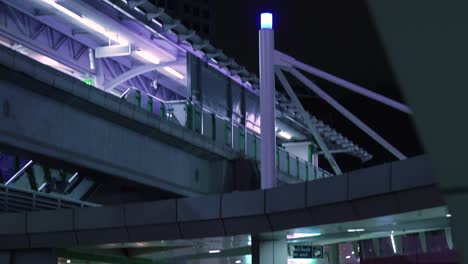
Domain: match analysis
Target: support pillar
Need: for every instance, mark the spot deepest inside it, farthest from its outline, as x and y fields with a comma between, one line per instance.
x=27, y=256
x=448, y=237
x=422, y=240
x=356, y=249
x=267, y=101
x=376, y=247
x=270, y=251
x=398, y=245
x=333, y=254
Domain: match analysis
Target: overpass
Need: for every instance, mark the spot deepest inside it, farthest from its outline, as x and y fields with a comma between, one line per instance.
x=387, y=189
x=81, y=127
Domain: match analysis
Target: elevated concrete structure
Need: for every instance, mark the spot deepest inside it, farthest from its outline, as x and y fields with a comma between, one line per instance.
x=85, y=127
x=386, y=189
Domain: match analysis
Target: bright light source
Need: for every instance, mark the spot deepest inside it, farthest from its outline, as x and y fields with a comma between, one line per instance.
x=238, y=261
x=356, y=230
x=62, y=9
x=285, y=135
x=266, y=21
x=348, y=257
x=301, y=235
x=448, y=215
x=147, y=56
x=214, y=251
x=174, y=72
x=352, y=252
x=393, y=244
x=93, y=25
x=47, y=61
x=68, y=261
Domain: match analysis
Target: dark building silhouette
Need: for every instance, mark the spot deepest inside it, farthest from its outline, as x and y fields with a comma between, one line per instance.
x=194, y=14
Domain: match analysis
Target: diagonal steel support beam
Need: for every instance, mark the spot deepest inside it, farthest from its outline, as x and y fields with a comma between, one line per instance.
x=307, y=120
x=350, y=116
x=283, y=59
x=135, y=72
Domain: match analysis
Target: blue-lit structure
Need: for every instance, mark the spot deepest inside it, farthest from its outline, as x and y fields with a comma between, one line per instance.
x=148, y=136
x=266, y=21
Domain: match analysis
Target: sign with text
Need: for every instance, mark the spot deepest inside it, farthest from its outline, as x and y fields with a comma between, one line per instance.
x=305, y=251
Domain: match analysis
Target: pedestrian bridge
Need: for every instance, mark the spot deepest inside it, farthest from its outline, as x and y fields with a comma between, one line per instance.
x=376, y=191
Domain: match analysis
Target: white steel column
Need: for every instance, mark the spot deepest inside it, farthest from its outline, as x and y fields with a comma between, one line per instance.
x=267, y=101
x=270, y=251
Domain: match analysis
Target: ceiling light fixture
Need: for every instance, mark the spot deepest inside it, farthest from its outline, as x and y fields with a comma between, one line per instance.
x=301, y=235
x=285, y=135
x=93, y=25
x=356, y=230
x=393, y=244
x=215, y=251
x=147, y=56
x=174, y=72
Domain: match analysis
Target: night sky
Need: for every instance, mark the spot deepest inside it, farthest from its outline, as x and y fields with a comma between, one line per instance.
x=338, y=37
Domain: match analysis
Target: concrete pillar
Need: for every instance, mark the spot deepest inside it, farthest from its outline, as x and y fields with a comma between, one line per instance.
x=422, y=240
x=448, y=236
x=376, y=247
x=267, y=102
x=27, y=256
x=333, y=254
x=270, y=251
x=398, y=245
x=356, y=248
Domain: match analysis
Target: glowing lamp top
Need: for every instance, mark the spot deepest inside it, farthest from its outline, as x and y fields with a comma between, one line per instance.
x=266, y=21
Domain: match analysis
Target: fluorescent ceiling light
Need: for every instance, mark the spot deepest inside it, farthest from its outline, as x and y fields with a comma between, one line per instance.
x=285, y=135
x=348, y=257
x=352, y=252
x=356, y=230
x=393, y=244
x=87, y=22
x=214, y=251
x=174, y=72
x=238, y=261
x=301, y=235
x=448, y=215
x=147, y=56
x=68, y=261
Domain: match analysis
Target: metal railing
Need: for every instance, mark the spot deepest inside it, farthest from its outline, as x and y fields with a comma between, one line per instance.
x=14, y=199
x=287, y=163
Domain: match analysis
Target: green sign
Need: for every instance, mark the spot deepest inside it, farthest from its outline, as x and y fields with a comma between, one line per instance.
x=88, y=81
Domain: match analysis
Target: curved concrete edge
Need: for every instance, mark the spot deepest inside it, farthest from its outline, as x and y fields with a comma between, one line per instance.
x=386, y=189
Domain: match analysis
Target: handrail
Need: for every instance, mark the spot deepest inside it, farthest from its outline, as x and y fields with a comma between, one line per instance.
x=48, y=195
